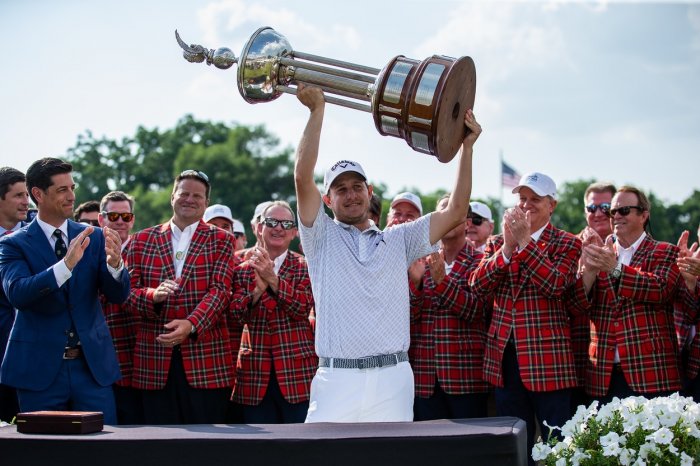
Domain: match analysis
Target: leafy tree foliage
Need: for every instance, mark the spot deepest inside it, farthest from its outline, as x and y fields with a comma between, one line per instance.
x=244, y=164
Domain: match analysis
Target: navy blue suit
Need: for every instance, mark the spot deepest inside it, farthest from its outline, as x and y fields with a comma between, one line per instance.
x=34, y=355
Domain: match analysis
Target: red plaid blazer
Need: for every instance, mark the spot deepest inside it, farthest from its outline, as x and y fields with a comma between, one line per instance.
x=580, y=325
x=123, y=327
x=203, y=298
x=528, y=304
x=448, y=331
x=638, y=320
x=280, y=333
x=694, y=356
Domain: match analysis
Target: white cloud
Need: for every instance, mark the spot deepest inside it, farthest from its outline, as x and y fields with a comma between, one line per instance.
x=227, y=17
x=505, y=41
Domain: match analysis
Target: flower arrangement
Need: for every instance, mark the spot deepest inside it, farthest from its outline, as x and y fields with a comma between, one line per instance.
x=632, y=431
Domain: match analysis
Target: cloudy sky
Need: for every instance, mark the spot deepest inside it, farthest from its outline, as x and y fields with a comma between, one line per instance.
x=601, y=90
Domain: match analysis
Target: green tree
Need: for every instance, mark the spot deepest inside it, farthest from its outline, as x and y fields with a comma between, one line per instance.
x=569, y=214
x=244, y=164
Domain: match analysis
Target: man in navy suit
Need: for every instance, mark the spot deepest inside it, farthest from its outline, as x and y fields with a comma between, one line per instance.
x=14, y=205
x=60, y=354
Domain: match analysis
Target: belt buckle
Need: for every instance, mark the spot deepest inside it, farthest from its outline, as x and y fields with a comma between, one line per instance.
x=364, y=363
x=71, y=353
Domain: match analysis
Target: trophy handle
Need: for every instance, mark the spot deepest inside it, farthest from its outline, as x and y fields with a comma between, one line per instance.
x=223, y=58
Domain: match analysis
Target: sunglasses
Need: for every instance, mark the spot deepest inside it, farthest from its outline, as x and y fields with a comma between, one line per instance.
x=625, y=211
x=476, y=220
x=604, y=207
x=114, y=216
x=197, y=174
x=238, y=235
x=273, y=222
x=87, y=221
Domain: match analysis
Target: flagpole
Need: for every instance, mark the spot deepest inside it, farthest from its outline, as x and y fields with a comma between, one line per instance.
x=500, y=208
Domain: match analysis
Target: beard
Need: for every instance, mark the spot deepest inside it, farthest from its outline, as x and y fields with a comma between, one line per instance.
x=351, y=220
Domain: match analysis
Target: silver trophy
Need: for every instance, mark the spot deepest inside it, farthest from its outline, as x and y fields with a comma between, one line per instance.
x=422, y=102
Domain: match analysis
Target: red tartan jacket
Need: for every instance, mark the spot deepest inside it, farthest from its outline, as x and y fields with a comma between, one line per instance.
x=694, y=355
x=203, y=299
x=580, y=325
x=528, y=304
x=448, y=331
x=637, y=317
x=280, y=333
x=123, y=327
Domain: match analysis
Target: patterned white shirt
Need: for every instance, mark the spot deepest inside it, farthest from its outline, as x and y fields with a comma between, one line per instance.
x=360, y=284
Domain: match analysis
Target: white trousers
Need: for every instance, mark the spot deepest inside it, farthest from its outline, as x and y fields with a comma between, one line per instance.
x=383, y=394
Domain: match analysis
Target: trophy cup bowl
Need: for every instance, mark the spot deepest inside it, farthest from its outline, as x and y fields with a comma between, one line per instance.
x=422, y=102
x=259, y=65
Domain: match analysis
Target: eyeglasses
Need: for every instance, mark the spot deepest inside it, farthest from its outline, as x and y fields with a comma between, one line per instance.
x=273, y=222
x=238, y=235
x=88, y=221
x=625, y=211
x=114, y=216
x=476, y=220
x=603, y=206
x=197, y=174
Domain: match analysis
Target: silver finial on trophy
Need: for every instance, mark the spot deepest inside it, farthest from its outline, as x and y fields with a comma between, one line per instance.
x=422, y=102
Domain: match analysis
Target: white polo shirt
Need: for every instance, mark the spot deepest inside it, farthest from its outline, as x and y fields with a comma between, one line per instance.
x=360, y=284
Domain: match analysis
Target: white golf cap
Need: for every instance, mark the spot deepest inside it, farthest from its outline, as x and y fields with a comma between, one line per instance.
x=218, y=210
x=340, y=167
x=259, y=209
x=482, y=210
x=238, y=226
x=410, y=198
x=540, y=183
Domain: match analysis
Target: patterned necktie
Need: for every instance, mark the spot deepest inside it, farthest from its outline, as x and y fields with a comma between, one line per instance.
x=60, y=246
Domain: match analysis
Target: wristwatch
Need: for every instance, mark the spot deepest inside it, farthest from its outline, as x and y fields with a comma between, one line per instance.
x=617, y=271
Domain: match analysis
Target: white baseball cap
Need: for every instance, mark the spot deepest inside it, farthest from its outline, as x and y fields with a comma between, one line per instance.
x=410, y=198
x=482, y=210
x=238, y=226
x=340, y=167
x=218, y=210
x=259, y=209
x=539, y=183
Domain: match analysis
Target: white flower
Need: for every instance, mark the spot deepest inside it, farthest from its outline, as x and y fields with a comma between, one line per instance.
x=663, y=436
x=611, y=438
x=686, y=460
x=540, y=451
x=632, y=422
x=664, y=422
x=647, y=448
x=626, y=456
x=612, y=449
x=578, y=456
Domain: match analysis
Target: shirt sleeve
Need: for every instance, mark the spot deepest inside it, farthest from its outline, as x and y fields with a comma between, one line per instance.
x=311, y=237
x=417, y=238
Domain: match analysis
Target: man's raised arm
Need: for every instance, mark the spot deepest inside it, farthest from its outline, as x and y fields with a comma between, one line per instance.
x=444, y=220
x=308, y=197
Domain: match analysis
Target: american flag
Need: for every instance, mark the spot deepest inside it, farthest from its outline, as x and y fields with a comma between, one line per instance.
x=509, y=177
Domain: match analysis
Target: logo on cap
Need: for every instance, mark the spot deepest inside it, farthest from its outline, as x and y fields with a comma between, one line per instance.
x=342, y=164
x=532, y=179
